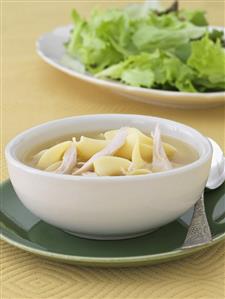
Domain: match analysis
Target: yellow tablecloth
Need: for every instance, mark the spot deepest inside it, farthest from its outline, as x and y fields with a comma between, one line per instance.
x=33, y=93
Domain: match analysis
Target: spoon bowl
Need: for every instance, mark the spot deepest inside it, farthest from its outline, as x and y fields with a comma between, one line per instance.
x=217, y=171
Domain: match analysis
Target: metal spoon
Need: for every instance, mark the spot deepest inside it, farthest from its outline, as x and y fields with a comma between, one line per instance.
x=199, y=232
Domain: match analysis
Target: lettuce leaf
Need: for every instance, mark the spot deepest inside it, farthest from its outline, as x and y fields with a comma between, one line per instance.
x=165, y=32
x=111, y=36
x=208, y=60
x=196, y=17
x=90, y=42
x=168, y=49
x=215, y=35
x=152, y=70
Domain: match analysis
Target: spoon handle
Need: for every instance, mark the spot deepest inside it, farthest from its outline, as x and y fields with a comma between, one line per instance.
x=199, y=232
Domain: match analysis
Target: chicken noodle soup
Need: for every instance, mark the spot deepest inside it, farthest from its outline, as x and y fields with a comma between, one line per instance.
x=121, y=152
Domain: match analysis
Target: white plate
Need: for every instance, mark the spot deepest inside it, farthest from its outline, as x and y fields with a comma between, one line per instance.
x=50, y=47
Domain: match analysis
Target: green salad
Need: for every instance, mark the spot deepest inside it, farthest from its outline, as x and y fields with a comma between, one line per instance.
x=169, y=50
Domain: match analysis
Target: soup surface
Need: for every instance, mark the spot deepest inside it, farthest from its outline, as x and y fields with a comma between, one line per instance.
x=125, y=151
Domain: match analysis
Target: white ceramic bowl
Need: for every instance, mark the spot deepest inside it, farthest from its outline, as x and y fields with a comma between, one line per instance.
x=50, y=47
x=108, y=207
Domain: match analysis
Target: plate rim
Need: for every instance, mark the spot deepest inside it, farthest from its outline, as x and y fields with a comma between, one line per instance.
x=123, y=87
x=140, y=259
x=169, y=255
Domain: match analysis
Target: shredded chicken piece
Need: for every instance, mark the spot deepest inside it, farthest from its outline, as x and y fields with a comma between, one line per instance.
x=69, y=160
x=116, y=143
x=160, y=161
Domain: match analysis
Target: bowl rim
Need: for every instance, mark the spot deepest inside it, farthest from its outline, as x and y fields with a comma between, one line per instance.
x=15, y=161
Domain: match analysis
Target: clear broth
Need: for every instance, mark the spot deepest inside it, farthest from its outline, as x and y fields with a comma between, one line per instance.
x=184, y=155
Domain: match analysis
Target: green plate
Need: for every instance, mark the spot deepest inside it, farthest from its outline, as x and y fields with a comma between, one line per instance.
x=24, y=230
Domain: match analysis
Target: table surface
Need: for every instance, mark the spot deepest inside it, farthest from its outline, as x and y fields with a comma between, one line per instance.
x=32, y=93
